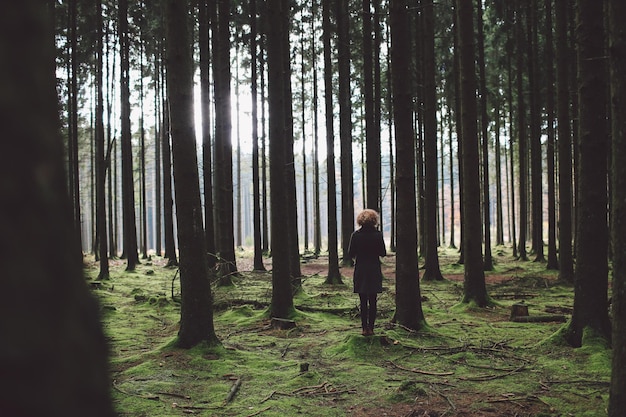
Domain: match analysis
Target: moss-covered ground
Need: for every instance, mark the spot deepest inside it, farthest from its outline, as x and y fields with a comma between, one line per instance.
x=466, y=362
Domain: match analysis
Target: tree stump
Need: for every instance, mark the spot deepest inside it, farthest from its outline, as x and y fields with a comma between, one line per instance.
x=519, y=310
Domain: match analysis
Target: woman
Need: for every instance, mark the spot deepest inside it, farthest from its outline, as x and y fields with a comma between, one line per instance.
x=366, y=245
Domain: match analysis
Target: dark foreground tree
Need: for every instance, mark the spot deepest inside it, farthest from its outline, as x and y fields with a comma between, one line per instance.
x=617, y=54
x=474, y=287
x=590, y=314
x=52, y=341
x=408, y=299
x=196, y=315
x=282, y=295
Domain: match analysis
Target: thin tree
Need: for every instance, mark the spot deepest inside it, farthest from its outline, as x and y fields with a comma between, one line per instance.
x=128, y=188
x=256, y=193
x=205, y=109
x=345, y=129
x=474, y=281
x=549, y=53
x=484, y=124
x=432, y=271
x=536, y=171
x=168, y=201
x=409, y=311
x=522, y=133
x=219, y=12
x=590, y=315
x=372, y=140
x=566, y=262
x=72, y=377
x=334, y=275
x=317, y=235
x=196, y=315
x=101, y=219
x=276, y=32
x=617, y=57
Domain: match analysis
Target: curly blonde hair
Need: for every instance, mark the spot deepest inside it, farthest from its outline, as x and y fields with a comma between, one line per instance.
x=368, y=217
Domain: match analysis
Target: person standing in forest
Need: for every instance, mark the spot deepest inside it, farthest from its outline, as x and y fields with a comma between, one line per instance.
x=366, y=247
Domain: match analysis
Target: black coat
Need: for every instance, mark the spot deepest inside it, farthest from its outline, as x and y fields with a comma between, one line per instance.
x=366, y=245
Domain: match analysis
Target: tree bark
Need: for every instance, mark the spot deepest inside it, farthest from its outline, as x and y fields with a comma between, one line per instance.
x=196, y=315
x=566, y=262
x=48, y=300
x=432, y=271
x=334, y=275
x=591, y=274
x=617, y=55
x=474, y=281
x=408, y=299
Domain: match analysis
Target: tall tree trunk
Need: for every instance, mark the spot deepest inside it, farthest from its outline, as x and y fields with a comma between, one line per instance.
x=498, y=157
x=128, y=188
x=509, y=93
x=484, y=124
x=591, y=274
x=432, y=271
x=409, y=311
x=196, y=314
x=220, y=21
x=617, y=55
x=48, y=300
x=305, y=185
x=101, y=216
x=282, y=295
x=345, y=129
x=536, y=170
x=566, y=262
x=205, y=103
x=256, y=194
x=334, y=276
x=549, y=54
x=317, y=235
x=158, y=126
x=474, y=282
x=522, y=134
x=372, y=140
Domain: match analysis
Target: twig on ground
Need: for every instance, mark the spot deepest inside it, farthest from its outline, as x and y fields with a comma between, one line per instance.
x=269, y=397
x=233, y=391
x=419, y=371
x=441, y=394
x=173, y=394
x=492, y=377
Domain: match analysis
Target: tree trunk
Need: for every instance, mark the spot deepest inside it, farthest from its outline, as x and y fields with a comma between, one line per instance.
x=474, y=282
x=220, y=18
x=566, y=262
x=334, y=276
x=484, y=124
x=536, y=170
x=282, y=295
x=101, y=219
x=372, y=140
x=345, y=130
x=549, y=54
x=158, y=126
x=432, y=271
x=196, y=315
x=207, y=163
x=53, y=343
x=617, y=54
x=591, y=274
x=408, y=299
x=317, y=235
x=168, y=202
x=256, y=194
x=522, y=135
x=128, y=188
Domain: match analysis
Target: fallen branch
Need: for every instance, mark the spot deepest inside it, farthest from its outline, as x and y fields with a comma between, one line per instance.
x=419, y=371
x=539, y=319
x=448, y=400
x=269, y=397
x=173, y=394
x=492, y=377
x=233, y=391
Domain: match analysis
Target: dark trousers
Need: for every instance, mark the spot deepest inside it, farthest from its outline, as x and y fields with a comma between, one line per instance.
x=368, y=310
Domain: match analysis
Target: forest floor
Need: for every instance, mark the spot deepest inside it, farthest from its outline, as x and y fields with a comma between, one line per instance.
x=466, y=362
